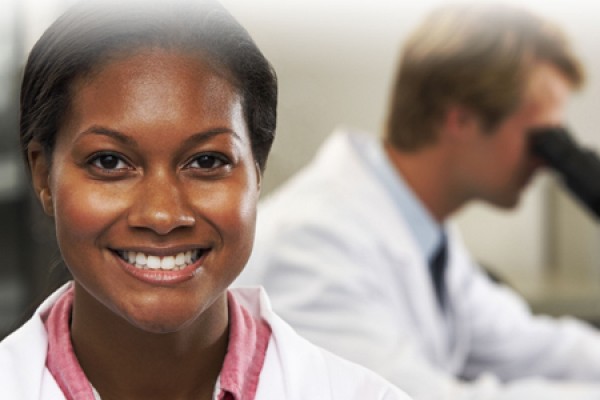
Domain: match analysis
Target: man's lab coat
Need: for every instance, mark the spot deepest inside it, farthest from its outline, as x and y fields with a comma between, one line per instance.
x=293, y=369
x=340, y=264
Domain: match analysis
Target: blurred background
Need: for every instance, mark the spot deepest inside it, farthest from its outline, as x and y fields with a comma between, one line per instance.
x=335, y=60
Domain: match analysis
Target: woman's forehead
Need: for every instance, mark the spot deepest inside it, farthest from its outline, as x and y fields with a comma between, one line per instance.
x=153, y=86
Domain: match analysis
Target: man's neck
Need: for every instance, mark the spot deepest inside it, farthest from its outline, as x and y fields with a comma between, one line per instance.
x=428, y=172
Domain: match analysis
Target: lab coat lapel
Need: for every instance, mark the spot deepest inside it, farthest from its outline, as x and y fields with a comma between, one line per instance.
x=427, y=312
x=289, y=359
x=459, y=334
x=412, y=272
x=25, y=376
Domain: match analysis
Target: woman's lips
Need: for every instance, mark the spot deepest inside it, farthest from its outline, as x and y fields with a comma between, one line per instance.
x=176, y=261
x=165, y=269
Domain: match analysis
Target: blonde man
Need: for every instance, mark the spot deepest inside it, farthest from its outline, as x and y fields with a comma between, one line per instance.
x=351, y=248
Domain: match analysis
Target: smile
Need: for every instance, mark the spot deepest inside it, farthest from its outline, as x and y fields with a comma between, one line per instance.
x=173, y=262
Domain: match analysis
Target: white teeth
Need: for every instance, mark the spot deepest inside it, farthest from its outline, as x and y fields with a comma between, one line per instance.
x=140, y=259
x=167, y=263
x=153, y=262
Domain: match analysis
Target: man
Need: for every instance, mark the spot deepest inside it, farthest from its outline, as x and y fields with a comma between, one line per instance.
x=352, y=249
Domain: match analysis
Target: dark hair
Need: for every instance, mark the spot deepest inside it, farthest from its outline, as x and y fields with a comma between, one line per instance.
x=89, y=35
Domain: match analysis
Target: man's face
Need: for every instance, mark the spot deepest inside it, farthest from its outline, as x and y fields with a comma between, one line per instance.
x=499, y=164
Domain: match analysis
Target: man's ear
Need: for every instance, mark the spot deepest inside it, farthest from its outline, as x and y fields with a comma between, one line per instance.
x=39, y=166
x=461, y=122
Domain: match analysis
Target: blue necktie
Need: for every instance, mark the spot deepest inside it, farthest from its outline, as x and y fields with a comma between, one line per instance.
x=437, y=267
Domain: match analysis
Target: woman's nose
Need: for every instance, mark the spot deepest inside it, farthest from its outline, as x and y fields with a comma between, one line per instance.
x=161, y=205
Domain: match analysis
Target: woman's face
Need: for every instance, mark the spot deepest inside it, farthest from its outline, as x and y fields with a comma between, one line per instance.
x=153, y=188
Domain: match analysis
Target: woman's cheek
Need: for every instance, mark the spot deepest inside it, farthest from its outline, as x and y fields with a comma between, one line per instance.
x=87, y=209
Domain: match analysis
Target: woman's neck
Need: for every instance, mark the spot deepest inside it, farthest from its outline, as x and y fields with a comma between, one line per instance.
x=123, y=361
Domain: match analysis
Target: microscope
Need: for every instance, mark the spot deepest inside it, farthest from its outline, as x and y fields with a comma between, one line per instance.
x=578, y=167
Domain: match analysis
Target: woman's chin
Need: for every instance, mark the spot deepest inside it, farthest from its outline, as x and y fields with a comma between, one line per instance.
x=161, y=322
x=174, y=316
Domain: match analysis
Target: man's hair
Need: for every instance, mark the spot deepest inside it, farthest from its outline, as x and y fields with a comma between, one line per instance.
x=475, y=55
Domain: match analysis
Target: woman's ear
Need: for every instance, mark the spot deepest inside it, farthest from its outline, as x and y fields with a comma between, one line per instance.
x=39, y=166
x=259, y=176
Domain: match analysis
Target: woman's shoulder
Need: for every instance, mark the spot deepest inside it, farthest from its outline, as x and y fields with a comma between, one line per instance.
x=296, y=369
x=27, y=346
x=23, y=372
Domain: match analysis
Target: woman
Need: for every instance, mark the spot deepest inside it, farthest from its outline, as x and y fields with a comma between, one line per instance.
x=146, y=131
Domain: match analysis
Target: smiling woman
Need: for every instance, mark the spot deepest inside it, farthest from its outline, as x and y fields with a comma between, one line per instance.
x=146, y=129
x=158, y=176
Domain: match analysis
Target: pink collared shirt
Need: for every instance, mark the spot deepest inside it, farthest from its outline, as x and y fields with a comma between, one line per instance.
x=248, y=341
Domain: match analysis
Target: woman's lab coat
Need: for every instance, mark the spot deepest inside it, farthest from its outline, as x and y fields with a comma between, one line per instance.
x=293, y=369
x=340, y=264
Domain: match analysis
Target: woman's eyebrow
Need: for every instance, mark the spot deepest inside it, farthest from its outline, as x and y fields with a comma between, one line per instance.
x=194, y=139
x=119, y=136
x=201, y=137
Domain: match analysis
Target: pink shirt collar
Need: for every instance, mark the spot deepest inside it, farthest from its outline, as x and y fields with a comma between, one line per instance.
x=248, y=340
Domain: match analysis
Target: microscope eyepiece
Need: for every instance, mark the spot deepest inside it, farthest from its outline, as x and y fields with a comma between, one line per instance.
x=578, y=167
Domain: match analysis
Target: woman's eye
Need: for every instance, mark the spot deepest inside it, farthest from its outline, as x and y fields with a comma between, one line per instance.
x=109, y=162
x=209, y=161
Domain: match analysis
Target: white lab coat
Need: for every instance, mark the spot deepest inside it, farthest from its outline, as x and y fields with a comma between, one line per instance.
x=340, y=265
x=293, y=369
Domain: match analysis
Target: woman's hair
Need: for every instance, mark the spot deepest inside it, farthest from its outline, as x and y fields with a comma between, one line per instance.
x=475, y=55
x=90, y=35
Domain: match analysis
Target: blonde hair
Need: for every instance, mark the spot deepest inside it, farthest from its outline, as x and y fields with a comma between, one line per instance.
x=475, y=55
